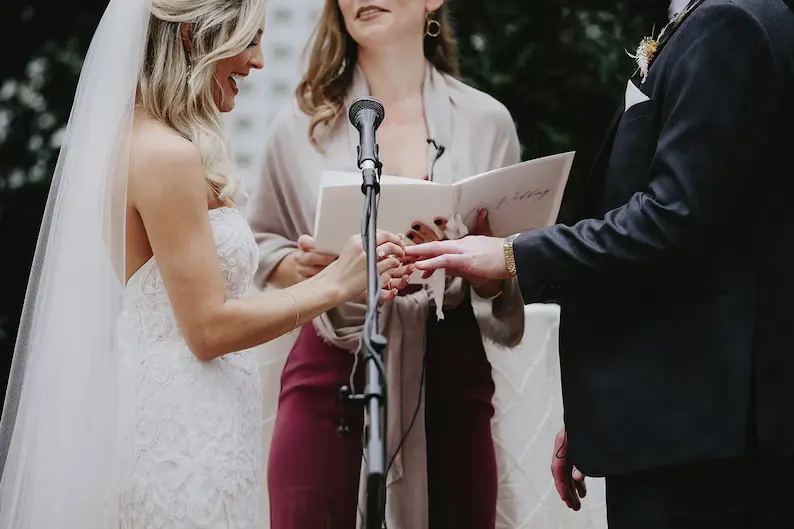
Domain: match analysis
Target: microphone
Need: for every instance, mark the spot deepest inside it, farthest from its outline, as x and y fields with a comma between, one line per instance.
x=366, y=114
x=440, y=149
x=344, y=395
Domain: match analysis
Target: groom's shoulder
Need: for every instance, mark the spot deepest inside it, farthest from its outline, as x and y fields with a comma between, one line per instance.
x=734, y=15
x=724, y=28
x=719, y=15
x=732, y=23
x=763, y=11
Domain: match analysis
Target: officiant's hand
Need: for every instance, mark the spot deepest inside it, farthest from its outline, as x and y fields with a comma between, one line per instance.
x=567, y=478
x=483, y=286
x=308, y=262
x=421, y=232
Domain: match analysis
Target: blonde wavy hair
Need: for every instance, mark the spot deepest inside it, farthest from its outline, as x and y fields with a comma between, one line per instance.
x=175, y=84
x=332, y=59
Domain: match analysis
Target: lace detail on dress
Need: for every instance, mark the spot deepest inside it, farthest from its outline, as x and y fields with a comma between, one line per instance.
x=193, y=438
x=146, y=301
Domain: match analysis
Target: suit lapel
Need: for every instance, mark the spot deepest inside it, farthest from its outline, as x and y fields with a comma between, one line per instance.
x=595, y=175
x=676, y=23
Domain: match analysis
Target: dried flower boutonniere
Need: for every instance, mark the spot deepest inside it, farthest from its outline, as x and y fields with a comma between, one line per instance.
x=649, y=46
x=645, y=54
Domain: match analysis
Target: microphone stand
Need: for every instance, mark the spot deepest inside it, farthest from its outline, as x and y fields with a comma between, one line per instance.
x=374, y=344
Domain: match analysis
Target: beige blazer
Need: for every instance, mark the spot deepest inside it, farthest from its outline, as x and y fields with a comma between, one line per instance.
x=478, y=134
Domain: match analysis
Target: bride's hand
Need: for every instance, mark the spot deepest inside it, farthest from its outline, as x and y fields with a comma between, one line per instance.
x=350, y=269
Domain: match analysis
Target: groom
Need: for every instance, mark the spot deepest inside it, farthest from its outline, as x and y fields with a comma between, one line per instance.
x=677, y=325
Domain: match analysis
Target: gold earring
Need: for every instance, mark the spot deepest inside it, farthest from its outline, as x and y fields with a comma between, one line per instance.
x=432, y=26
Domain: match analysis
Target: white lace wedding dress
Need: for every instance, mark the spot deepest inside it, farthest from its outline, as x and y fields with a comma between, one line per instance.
x=193, y=444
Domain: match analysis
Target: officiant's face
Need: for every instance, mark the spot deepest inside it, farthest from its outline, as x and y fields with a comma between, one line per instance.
x=374, y=22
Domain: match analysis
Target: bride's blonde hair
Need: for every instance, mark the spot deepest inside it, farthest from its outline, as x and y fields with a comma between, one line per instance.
x=175, y=84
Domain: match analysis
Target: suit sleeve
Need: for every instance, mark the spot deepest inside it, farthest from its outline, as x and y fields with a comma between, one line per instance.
x=721, y=91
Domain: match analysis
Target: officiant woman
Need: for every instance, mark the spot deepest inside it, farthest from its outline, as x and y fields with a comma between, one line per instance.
x=442, y=468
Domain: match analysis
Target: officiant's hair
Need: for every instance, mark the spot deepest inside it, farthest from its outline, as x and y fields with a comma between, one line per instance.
x=177, y=76
x=333, y=54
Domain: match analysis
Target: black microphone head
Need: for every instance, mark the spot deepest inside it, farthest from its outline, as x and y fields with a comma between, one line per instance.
x=362, y=104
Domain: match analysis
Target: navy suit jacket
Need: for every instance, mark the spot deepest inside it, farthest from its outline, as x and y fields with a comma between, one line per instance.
x=677, y=287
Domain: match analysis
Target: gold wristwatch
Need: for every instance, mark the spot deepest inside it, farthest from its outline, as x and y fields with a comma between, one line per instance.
x=510, y=258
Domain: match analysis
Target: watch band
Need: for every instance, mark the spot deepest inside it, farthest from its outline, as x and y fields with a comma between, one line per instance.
x=510, y=258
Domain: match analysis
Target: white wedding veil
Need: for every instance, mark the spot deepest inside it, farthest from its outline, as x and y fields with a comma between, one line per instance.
x=59, y=435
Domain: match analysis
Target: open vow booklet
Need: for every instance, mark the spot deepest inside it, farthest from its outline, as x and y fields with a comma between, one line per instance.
x=518, y=198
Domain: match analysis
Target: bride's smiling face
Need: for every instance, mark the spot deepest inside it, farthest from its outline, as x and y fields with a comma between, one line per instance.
x=229, y=71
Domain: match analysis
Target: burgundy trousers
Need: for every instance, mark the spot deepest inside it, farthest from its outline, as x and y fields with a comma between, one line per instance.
x=313, y=472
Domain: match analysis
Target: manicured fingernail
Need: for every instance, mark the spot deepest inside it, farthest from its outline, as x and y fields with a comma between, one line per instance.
x=439, y=222
x=416, y=227
x=411, y=236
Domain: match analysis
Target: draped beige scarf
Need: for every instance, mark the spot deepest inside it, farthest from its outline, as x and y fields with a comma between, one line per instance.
x=478, y=135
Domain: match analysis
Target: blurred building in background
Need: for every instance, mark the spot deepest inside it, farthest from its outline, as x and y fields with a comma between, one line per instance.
x=287, y=30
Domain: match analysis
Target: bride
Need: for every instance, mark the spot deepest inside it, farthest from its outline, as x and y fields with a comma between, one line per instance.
x=128, y=404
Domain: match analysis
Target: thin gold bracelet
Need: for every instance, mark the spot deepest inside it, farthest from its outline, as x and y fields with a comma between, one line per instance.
x=481, y=283
x=297, y=311
x=491, y=297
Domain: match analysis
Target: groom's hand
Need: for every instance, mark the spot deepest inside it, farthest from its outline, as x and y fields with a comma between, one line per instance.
x=567, y=478
x=470, y=256
x=484, y=286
